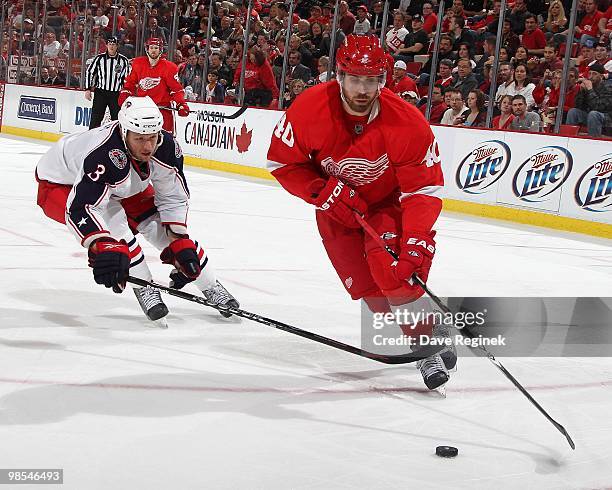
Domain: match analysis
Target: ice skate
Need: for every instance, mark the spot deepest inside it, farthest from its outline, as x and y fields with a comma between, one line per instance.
x=449, y=354
x=434, y=371
x=219, y=295
x=152, y=305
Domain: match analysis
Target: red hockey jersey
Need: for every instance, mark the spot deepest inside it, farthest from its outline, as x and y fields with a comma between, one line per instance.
x=390, y=154
x=160, y=82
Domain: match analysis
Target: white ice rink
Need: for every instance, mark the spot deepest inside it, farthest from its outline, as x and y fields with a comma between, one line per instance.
x=212, y=404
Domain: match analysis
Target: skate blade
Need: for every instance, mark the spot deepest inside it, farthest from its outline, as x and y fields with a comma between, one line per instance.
x=162, y=323
x=441, y=390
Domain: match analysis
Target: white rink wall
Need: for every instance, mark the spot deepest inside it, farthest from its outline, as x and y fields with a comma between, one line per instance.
x=557, y=177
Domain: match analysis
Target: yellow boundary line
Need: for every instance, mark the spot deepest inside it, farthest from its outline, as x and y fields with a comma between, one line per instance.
x=504, y=213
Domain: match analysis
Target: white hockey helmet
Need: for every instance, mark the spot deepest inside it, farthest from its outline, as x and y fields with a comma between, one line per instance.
x=140, y=115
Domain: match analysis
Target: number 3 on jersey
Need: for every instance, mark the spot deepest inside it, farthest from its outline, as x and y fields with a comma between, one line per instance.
x=96, y=175
x=284, y=132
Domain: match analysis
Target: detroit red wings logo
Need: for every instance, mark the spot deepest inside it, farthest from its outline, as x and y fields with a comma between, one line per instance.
x=148, y=83
x=356, y=171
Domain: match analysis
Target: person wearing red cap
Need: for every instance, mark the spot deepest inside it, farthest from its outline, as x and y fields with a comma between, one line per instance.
x=350, y=146
x=362, y=24
x=154, y=76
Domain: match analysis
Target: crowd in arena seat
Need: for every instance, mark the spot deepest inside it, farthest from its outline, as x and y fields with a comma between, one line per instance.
x=527, y=88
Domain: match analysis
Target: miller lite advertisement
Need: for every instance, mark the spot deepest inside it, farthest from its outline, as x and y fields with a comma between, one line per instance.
x=593, y=191
x=483, y=167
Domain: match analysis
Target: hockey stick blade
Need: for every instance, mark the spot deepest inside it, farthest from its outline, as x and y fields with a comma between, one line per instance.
x=235, y=115
x=385, y=359
x=467, y=333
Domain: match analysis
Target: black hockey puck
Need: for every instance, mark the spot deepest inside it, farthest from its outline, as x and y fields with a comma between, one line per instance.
x=446, y=451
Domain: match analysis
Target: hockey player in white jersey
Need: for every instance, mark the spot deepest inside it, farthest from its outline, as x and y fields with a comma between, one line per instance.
x=124, y=178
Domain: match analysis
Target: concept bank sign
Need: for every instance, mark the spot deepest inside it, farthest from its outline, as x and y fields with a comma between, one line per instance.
x=542, y=173
x=37, y=109
x=483, y=167
x=593, y=190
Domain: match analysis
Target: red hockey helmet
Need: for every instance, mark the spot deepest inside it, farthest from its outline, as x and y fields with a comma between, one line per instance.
x=155, y=41
x=361, y=56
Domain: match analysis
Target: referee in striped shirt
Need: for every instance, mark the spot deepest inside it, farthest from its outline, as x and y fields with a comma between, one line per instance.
x=105, y=77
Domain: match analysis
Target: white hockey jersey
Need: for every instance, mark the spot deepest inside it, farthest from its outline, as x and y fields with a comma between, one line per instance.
x=98, y=166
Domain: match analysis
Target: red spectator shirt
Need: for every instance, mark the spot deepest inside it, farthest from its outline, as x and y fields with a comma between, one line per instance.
x=534, y=40
x=257, y=77
x=589, y=23
x=160, y=82
x=405, y=84
x=608, y=15
x=553, y=96
x=391, y=154
x=430, y=23
x=437, y=111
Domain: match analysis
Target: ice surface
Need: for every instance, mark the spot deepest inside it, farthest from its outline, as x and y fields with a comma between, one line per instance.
x=209, y=403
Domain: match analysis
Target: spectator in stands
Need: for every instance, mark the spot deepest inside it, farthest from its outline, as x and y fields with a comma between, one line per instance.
x=362, y=24
x=260, y=89
x=322, y=66
x=523, y=119
x=533, y=39
x=215, y=91
x=430, y=19
x=556, y=21
x=187, y=71
x=445, y=73
x=346, y=21
x=588, y=28
x=510, y=40
x=593, y=102
x=296, y=87
x=154, y=30
x=316, y=39
x=548, y=98
x=438, y=106
x=445, y=51
x=517, y=16
x=521, y=85
x=296, y=69
x=51, y=48
x=377, y=17
x=585, y=58
x=44, y=76
x=415, y=42
x=505, y=76
x=489, y=22
x=504, y=120
x=410, y=96
x=520, y=56
x=295, y=44
x=326, y=44
x=487, y=57
x=459, y=34
x=54, y=77
x=303, y=30
x=401, y=82
x=394, y=39
x=465, y=53
x=465, y=81
x=226, y=28
x=605, y=26
x=549, y=63
x=601, y=55
x=454, y=114
x=476, y=117
x=473, y=7
x=225, y=72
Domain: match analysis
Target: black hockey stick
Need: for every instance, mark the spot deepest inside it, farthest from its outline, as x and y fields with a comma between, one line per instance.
x=466, y=333
x=235, y=115
x=391, y=359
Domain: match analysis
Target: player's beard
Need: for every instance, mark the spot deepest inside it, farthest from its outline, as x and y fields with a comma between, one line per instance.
x=360, y=103
x=156, y=57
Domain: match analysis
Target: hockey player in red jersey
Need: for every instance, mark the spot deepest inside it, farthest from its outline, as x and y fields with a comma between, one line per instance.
x=351, y=145
x=156, y=77
x=122, y=179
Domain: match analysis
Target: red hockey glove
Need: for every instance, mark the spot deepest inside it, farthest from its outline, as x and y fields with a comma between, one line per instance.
x=416, y=255
x=110, y=261
x=339, y=201
x=182, y=254
x=183, y=109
